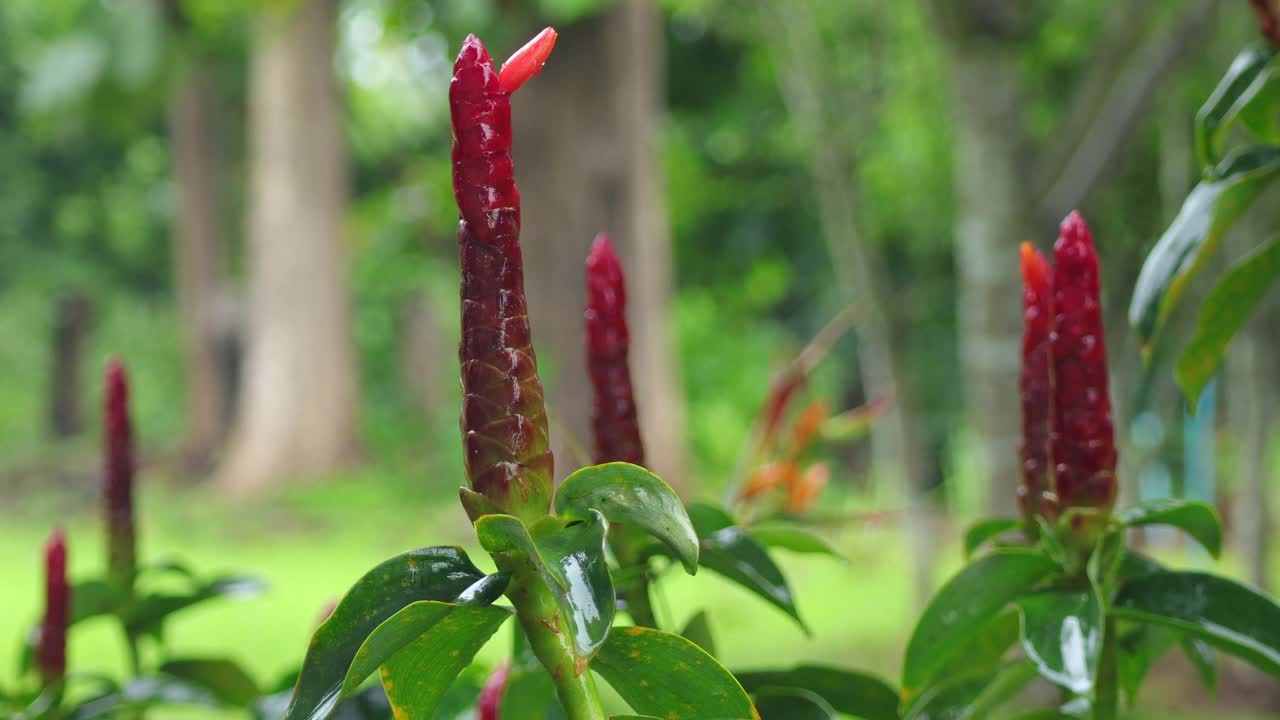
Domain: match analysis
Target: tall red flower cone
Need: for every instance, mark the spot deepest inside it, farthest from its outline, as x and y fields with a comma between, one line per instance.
x=614, y=424
x=118, y=474
x=51, y=653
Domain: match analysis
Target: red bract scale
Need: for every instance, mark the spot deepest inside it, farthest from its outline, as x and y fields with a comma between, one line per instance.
x=489, y=703
x=783, y=388
x=51, y=655
x=504, y=421
x=1084, y=450
x=613, y=419
x=1035, y=386
x=118, y=474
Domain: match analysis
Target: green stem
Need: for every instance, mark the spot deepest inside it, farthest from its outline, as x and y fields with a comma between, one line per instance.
x=540, y=617
x=639, y=604
x=1106, y=702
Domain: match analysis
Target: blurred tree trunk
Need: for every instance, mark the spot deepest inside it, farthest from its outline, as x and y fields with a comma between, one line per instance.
x=815, y=104
x=72, y=322
x=1252, y=404
x=981, y=43
x=199, y=269
x=587, y=161
x=422, y=362
x=297, y=413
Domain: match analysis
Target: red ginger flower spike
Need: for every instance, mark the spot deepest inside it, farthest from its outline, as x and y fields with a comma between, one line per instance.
x=1084, y=448
x=489, y=704
x=504, y=421
x=118, y=474
x=613, y=417
x=51, y=655
x=1035, y=388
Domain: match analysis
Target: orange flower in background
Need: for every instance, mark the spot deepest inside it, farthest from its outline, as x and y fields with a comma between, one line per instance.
x=802, y=493
x=768, y=477
x=806, y=427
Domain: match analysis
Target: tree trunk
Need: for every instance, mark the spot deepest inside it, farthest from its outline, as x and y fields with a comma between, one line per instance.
x=74, y=317
x=199, y=268
x=587, y=161
x=992, y=204
x=297, y=413
x=858, y=268
x=423, y=355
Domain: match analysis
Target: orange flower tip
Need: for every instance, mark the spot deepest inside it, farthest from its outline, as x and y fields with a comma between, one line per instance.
x=1035, y=269
x=526, y=62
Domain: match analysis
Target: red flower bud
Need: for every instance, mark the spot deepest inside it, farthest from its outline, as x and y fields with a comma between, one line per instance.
x=489, y=704
x=1084, y=448
x=51, y=654
x=118, y=474
x=613, y=418
x=1035, y=387
x=504, y=421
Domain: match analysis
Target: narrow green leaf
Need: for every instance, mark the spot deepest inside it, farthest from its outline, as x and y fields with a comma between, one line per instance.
x=698, y=632
x=954, y=697
x=774, y=703
x=1207, y=213
x=985, y=530
x=631, y=495
x=433, y=573
x=987, y=649
x=849, y=692
x=1223, y=313
x=1062, y=635
x=665, y=675
x=572, y=562
x=1234, y=618
x=1139, y=649
x=1260, y=109
x=224, y=678
x=1204, y=660
x=147, y=613
x=418, y=674
x=964, y=605
x=1224, y=104
x=1197, y=519
x=794, y=539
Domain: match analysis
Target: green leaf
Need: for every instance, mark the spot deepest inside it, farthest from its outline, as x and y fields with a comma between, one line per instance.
x=1260, y=109
x=433, y=573
x=1232, y=617
x=698, y=632
x=986, y=650
x=572, y=562
x=964, y=605
x=1233, y=92
x=849, y=692
x=1062, y=635
x=1139, y=649
x=958, y=697
x=225, y=679
x=775, y=703
x=1197, y=519
x=985, y=530
x=440, y=641
x=1204, y=660
x=631, y=495
x=147, y=613
x=1223, y=313
x=794, y=539
x=665, y=675
x=1207, y=213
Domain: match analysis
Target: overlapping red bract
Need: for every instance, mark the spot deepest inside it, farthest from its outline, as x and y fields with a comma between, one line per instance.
x=504, y=422
x=1068, y=449
x=613, y=418
x=117, y=474
x=51, y=653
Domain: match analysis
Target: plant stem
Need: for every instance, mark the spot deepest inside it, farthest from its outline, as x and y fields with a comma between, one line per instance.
x=1106, y=700
x=639, y=604
x=540, y=617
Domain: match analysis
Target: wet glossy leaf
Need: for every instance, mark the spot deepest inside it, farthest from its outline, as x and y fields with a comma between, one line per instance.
x=1234, y=92
x=793, y=539
x=698, y=632
x=224, y=678
x=775, y=703
x=666, y=675
x=631, y=495
x=442, y=641
x=433, y=573
x=964, y=605
x=572, y=562
x=1234, y=618
x=852, y=693
x=1197, y=519
x=986, y=530
x=1062, y=635
x=1223, y=313
x=1208, y=212
x=147, y=613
